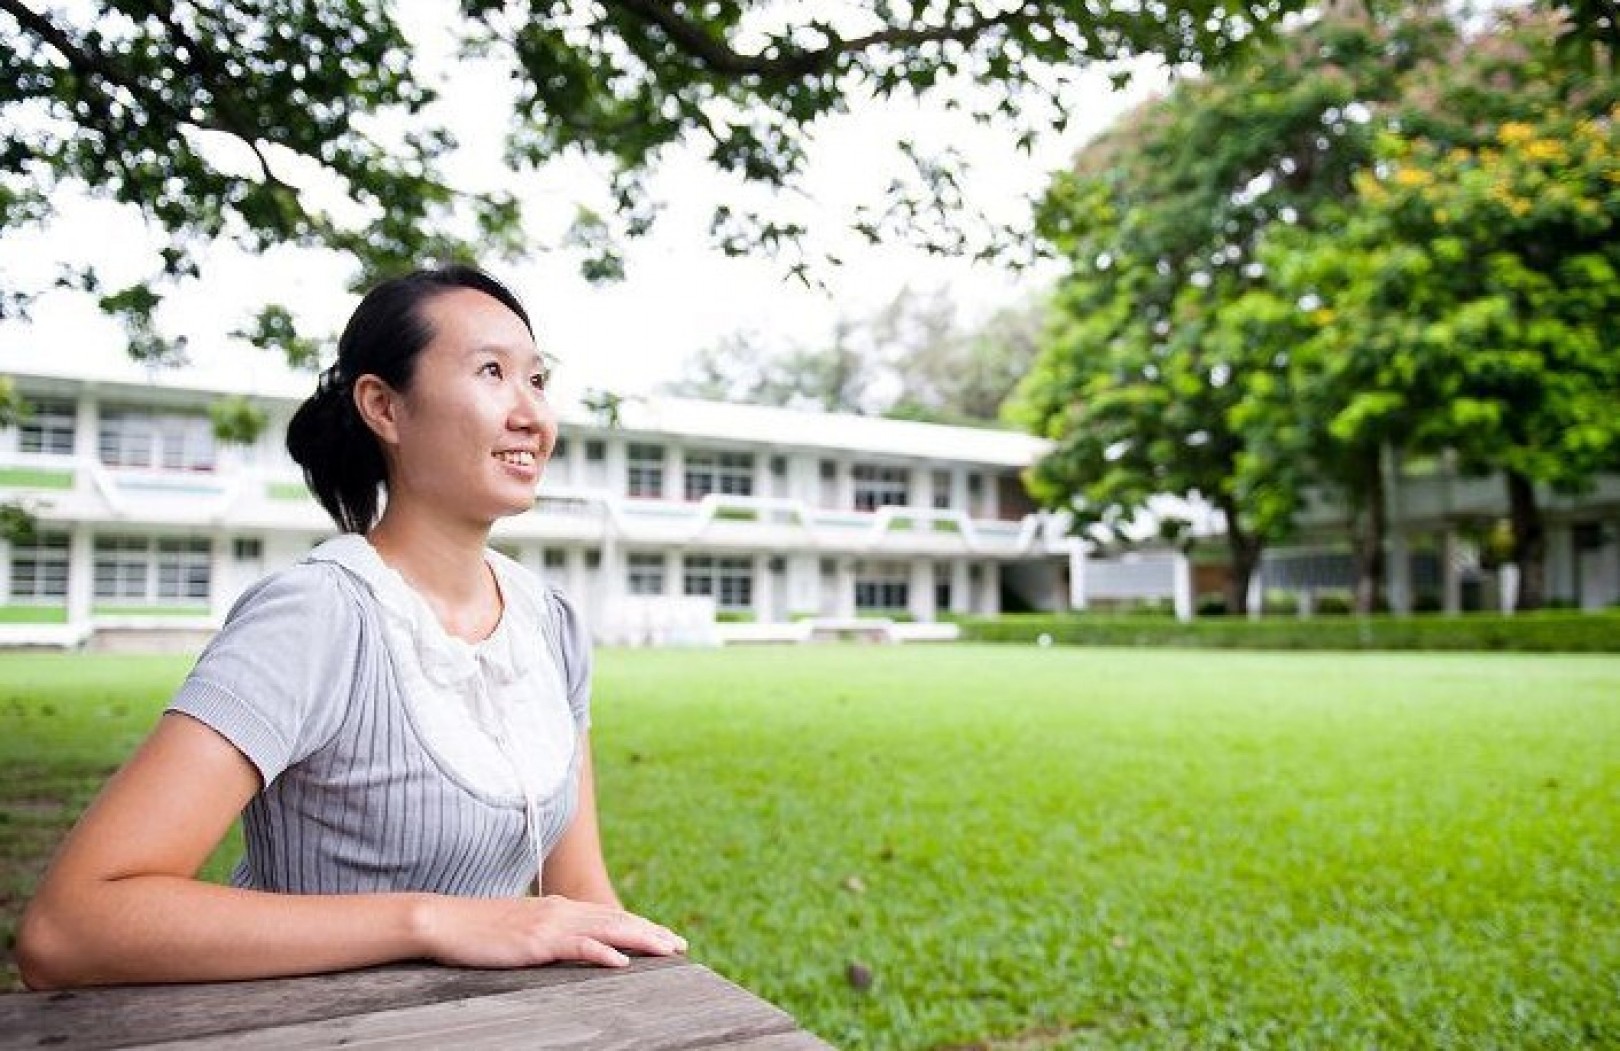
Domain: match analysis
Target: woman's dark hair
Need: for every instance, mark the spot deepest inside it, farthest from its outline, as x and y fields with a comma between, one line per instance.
x=342, y=460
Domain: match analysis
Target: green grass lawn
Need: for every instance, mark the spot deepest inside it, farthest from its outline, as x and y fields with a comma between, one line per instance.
x=1066, y=847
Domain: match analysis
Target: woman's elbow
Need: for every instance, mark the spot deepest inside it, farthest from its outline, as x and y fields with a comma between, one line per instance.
x=44, y=950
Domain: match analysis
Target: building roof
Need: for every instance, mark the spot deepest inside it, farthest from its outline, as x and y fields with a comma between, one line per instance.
x=685, y=418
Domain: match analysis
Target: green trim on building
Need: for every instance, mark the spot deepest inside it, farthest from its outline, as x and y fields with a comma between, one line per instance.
x=287, y=491
x=24, y=614
x=35, y=478
x=149, y=611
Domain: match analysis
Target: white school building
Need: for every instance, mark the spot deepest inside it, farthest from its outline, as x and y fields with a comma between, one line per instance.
x=679, y=521
x=683, y=522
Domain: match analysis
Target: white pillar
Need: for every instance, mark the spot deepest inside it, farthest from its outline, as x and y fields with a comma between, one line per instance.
x=959, y=493
x=87, y=430
x=992, y=589
x=961, y=587
x=846, y=487
x=1508, y=586
x=922, y=487
x=844, y=600
x=674, y=579
x=223, y=587
x=576, y=460
x=674, y=472
x=1256, y=597
x=618, y=466
x=81, y=594
x=921, y=591
x=1561, y=556
x=1078, y=600
x=1183, y=587
x=764, y=590
x=1450, y=578
x=804, y=479
x=1400, y=572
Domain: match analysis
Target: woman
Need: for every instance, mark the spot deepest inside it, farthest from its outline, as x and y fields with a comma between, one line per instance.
x=401, y=718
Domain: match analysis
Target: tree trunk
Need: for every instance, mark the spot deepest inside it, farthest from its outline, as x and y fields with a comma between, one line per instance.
x=1244, y=551
x=1367, y=541
x=1529, y=541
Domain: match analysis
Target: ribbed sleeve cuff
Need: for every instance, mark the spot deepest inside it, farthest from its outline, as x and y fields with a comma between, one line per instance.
x=235, y=720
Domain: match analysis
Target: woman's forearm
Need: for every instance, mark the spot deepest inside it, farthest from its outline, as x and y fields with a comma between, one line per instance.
x=156, y=928
x=174, y=929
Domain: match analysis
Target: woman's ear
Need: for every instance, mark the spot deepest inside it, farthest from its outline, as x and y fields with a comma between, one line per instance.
x=377, y=404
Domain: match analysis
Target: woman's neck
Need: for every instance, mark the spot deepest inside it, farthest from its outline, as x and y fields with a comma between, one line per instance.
x=444, y=563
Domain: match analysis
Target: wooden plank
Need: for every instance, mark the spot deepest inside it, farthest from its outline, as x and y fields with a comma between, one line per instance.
x=93, y=1019
x=798, y=1040
x=656, y=1009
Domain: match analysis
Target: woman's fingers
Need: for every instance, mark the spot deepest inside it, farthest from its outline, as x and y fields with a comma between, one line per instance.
x=525, y=932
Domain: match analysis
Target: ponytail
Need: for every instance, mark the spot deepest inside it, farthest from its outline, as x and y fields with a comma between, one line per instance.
x=343, y=464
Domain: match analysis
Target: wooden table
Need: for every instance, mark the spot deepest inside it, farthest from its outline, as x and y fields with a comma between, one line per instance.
x=656, y=1003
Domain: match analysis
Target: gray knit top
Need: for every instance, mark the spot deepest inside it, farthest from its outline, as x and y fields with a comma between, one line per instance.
x=300, y=679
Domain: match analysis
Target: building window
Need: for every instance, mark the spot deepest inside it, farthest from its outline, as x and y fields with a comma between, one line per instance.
x=595, y=450
x=247, y=549
x=942, y=586
x=48, y=429
x=729, y=581
x=593, y=559
x=559, y=449
x=942, y=490
x=138, y=569
x=719, y=472
x=884, y=586
x=133, y=438
x=877, y=487
x=553, y=558
x=645, y=574
x=183, y=568
x=39, y=569
x=646, y=470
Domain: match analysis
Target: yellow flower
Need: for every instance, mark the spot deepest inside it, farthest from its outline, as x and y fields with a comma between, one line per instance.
x=1515, y=132
x=1546, y=150
x=1412, y=177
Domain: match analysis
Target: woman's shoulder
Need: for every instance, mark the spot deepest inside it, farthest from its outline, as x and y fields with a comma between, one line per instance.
x=314, y=587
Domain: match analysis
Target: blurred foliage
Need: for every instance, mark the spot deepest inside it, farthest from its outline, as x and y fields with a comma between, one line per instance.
x=120, y=98
x=912, y=359
x=236, y=420
x=1287, y=274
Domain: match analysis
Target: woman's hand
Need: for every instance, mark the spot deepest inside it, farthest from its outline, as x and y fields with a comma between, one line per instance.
x=525, y=932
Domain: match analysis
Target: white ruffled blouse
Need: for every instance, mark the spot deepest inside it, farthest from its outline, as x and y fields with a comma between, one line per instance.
x=496, y=711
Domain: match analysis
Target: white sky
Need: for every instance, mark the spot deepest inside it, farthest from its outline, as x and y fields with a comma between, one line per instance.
x=680, y=295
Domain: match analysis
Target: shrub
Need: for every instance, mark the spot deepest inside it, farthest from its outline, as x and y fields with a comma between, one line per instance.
x=1550, y=631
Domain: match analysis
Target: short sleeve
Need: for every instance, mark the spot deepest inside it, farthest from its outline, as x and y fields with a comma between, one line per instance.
x=574, y=653
x=276, y=680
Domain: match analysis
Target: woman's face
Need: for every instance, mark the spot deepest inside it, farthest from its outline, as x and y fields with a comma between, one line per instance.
x=473, y=433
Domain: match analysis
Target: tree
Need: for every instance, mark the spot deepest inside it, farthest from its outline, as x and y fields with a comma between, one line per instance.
x=1467, y=301
x=912, y=359
x=1159, y=222
x=951, y=373
x=120, y=97
x=837, y=378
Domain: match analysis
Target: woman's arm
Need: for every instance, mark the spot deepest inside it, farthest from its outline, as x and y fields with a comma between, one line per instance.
x=575, y=867
x=121, y=901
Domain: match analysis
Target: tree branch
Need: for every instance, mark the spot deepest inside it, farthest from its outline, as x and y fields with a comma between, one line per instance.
x=720, y=58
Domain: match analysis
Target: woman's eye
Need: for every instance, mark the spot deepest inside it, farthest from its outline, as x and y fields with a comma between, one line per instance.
x=540, y=380
x=490, y=368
